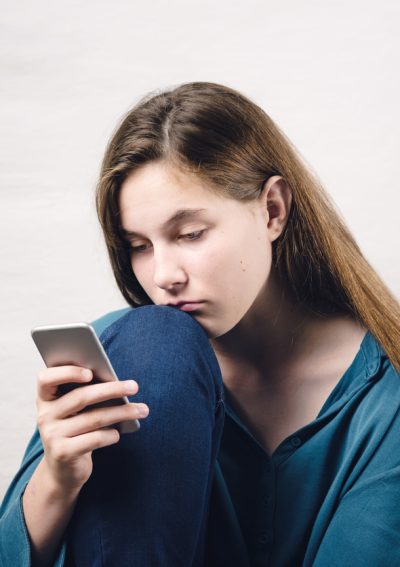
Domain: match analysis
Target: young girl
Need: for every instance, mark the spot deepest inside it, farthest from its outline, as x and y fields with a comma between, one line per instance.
x=260, y=343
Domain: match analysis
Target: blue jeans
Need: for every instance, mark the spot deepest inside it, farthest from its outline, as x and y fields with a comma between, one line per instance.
x=146, y=502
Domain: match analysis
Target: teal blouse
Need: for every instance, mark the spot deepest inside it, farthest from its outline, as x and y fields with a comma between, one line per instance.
x=328, y=496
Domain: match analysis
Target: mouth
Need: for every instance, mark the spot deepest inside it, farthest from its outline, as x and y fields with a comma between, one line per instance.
x=187, y=305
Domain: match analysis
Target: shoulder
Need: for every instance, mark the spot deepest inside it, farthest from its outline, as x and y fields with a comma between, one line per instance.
x=376, y=361
x=102, y=323
x=378, y=386
x=372, y=387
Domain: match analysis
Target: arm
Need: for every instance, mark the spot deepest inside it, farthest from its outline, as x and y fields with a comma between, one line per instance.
x=50, y=489
x=15, y=543
x=47, y=510
x=15, y=547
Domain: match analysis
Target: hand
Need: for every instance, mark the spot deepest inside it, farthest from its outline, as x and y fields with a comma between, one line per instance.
x=68, y=434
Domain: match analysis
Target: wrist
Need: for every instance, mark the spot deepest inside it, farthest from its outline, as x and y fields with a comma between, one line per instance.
x=57, y=488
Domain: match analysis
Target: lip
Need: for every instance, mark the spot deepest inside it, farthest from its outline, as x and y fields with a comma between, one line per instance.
x=187, y=305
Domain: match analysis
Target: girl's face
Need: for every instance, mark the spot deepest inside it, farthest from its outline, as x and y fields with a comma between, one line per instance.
x=189, y=244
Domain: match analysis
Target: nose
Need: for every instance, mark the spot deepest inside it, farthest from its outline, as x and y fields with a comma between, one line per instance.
x=168, y=271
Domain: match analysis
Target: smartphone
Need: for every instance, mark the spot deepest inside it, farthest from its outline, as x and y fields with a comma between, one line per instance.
x=77, y=344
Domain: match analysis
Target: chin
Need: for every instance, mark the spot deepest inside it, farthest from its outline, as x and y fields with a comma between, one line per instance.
x=211, y=330
x=216, y=331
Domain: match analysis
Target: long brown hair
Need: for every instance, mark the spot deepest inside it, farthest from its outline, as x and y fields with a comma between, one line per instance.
x=216, y=133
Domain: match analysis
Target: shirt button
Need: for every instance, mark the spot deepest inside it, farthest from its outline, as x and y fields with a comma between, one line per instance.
x=295, y=441
x=264, y=538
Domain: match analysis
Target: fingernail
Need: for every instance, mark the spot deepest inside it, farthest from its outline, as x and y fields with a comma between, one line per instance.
x=131, y=385
x=143, y=410
x=87, y=373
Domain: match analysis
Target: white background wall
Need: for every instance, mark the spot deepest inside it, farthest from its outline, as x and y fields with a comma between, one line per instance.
x=326, y=72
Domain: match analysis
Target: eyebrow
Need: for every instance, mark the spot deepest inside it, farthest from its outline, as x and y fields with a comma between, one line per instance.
x=178, y=216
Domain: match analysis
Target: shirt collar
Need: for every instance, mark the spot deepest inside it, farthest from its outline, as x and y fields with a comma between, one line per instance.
x=373, y=352
x=364, y=367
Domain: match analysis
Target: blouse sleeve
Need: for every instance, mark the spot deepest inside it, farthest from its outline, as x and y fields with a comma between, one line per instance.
x=15, y=547
x=365, y=530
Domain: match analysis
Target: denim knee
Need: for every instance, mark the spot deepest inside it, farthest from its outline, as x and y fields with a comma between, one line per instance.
x=167, y=347
x=146, y=502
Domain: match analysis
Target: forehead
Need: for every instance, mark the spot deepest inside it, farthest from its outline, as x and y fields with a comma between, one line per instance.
x=158, y=180
x=156, y=190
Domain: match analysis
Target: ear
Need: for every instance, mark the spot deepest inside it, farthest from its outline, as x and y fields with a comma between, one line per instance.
x=276, y=199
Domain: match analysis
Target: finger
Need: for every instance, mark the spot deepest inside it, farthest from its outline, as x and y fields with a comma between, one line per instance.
x=50, y=378
x=98, y=418
x=75, y=401
x=73, y=447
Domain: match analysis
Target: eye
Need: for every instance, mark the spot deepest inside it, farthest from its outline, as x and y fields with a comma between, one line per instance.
x=141, y=248
x=137, y=249
x=193, y=235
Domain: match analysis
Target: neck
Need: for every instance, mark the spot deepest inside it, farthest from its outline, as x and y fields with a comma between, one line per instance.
x=273, y=340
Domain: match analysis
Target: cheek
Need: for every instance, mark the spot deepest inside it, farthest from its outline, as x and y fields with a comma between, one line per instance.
x=142, y=272
x=244, y=280
x=250, y=258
